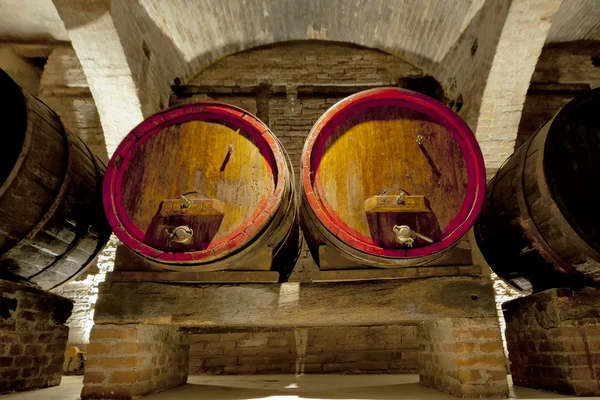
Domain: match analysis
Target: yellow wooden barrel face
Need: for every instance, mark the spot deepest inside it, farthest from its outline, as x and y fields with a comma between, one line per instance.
x=387, y=151
x=212, y=166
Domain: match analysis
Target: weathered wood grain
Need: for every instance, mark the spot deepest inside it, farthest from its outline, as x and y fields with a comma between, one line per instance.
x=194, y=276
x=378, y=146
x=376, y=152
x=193, y=157
x=214, y=173
x=348, y=275
x=293, y=304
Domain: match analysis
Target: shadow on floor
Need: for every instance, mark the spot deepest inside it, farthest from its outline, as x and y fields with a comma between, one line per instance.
x=317, y=387
x=285, y=387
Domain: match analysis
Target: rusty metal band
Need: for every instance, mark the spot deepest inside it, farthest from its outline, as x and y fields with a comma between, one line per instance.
x=527, y=222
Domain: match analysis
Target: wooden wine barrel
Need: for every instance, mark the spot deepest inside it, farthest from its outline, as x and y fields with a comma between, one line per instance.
x=204, y=186
x=51, y=220
x=540, y=224
x=390, y=178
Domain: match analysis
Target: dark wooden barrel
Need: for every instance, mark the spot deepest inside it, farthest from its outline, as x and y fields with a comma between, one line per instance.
x=390, y=178
x=204, y=186
x=51, y=220
x=540, y=224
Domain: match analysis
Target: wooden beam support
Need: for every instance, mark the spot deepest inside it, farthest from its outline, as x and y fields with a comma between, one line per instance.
x=196, y=277
x=379, y=274
x=295, y=304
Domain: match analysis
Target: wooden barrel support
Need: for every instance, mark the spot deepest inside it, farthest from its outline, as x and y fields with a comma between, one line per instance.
x=390, y=178
x=51, y=220
x=204, y=186
x=540, y=224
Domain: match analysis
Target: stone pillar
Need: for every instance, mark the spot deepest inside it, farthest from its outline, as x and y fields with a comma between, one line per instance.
x=521, y=42
x=553, y=340
x=128, y=361
x=33, y=337
x=113, y=75
x=463, y=357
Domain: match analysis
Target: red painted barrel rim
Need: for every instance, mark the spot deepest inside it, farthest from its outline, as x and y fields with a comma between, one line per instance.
x=225, y=114
x=439, y=113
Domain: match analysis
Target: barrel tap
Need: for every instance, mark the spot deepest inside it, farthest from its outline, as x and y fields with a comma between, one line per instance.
x=182, y=234
x=406, y=236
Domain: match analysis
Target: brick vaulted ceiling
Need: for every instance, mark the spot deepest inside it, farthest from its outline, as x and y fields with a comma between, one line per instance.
x=414, y=27
x=131, y=50
x=147, y=43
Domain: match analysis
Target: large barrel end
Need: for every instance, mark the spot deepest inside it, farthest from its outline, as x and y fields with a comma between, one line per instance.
x=390, y=178
x=203, y=186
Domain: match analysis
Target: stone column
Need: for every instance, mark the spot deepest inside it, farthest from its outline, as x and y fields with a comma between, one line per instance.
x=463, y=357
x=33, y=337
x=112, y=72
x=553, y=340
x=521, y=42
x=127, y=361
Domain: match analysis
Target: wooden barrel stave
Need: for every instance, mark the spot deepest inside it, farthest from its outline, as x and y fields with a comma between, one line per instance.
x=547, y=250
x=205, y=126
x=36, y=183
x=59, y=179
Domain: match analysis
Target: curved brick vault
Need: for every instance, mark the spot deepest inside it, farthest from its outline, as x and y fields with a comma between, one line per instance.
x=132, y=50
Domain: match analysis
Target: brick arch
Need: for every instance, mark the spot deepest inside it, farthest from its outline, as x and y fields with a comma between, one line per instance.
x=201, y=35
x=149, y=43
x=289, y=64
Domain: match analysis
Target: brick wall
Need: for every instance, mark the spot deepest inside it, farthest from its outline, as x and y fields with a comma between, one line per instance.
x=33, y=337
x=306, y=63
x=362, y=350
x=126, y=361
x=83, y=291
x=463, y=356
x=64, y=88
x=554, y=341
x=563, y=71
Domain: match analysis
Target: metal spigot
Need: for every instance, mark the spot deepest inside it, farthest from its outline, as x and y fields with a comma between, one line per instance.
x=182, y=234
x=406, y=236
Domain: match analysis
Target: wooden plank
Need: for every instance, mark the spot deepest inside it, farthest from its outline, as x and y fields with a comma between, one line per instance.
x=193, y=276
x=332, y=259
x=379, y=274
x=190, y=207
x=295, y=304
x=328, y=90
x=573, y=88
x=386, y=203
x=127, y=260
